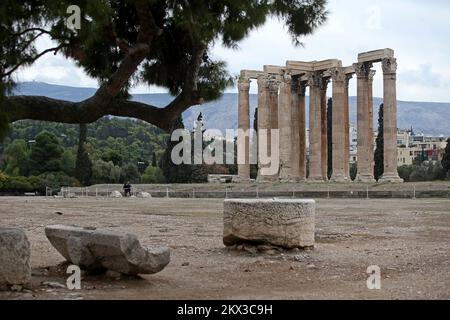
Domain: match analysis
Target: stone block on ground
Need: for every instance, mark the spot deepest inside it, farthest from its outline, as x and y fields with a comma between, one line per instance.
x=14, y=257
x=116, y=194
x=99, y=249
x=280, y=222
x=144, y=195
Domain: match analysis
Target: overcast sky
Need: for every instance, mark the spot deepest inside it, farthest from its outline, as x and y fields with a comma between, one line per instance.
x=417, y=30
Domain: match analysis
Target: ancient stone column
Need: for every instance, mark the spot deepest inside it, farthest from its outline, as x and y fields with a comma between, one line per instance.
x=302, y=131
x=315, y=128
x=370, y=134
x=263, y=119
x=390, y=121
x=295, y=130
x=285, y=125
x=244, y=127
x=347, y=129
x=274, y=85
x=339, y=125
x=365, y=143
x=324, y=128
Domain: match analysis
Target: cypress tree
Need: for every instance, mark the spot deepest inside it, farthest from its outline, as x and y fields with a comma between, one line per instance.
x=330, y=136
x=379, y=151
x=154, y=161
x=175, y=173
x=446, y=159
x=83, y=167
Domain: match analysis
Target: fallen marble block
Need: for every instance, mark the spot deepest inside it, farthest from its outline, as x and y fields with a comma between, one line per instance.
x=105, y=250
x=14, y=257
x=116, y=194
x=144, y=195
x=279, y=222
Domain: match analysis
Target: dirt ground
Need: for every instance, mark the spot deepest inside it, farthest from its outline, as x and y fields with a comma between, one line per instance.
x=408, y=239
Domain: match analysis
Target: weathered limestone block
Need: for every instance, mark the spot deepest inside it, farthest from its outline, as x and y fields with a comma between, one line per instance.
x=280, y=222
x=144, y=195
x=116, y=194
x=99, y=249
x=14, y=257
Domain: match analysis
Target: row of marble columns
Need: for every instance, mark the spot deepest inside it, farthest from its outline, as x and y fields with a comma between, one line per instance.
x=281, y=105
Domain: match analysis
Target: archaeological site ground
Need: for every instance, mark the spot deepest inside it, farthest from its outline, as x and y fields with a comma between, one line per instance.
x=408, y=239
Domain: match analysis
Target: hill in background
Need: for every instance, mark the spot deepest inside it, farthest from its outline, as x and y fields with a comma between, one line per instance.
x=425, y=117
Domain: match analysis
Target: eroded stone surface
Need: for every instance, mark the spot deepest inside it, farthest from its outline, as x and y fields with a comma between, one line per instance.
x=99, y=249
x=144, y=195
x=14, y=257
x=116, y=194
x=284, y=223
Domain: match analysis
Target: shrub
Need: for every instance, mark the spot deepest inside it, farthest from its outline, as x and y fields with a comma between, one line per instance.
x=419, y=173
x=56, y=180
x=17, y=184
x=153, y=175
x=3, y=178
x=105, y=172
x=437, y=172
x=405, y=172
x=353, y=171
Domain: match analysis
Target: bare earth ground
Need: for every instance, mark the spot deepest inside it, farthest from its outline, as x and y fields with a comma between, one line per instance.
x=408, y=239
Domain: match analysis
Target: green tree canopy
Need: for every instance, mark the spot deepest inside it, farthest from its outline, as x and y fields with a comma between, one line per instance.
x=105, y=172
x=130, y=173
x=127, y=42
x=46, y=154
x=153, y=175
x=17, y=158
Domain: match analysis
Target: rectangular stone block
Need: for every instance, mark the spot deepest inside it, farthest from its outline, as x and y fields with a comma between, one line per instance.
x=300, y=66
x=274, y=70
x=326, y=64
x=14, y=257
x=281, y=222
x=251, y=74
x=375, y=56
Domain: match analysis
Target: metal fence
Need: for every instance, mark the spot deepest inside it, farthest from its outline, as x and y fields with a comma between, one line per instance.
x=227, y=192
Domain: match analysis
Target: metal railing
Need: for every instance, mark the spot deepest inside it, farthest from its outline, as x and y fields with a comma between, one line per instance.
x=255, y=193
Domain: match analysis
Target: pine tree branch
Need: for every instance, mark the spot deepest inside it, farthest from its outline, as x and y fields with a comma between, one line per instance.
x=31, y=60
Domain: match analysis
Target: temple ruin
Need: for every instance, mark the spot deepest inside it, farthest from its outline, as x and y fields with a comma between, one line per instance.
x=281, y=105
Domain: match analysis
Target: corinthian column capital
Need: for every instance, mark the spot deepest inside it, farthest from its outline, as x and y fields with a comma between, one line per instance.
x=362, y=70
x=337, y=74
x=263, y=81
x=287, y=78
x=313, y=79
x=274, y=84
x=389, y=65
x=244, y=84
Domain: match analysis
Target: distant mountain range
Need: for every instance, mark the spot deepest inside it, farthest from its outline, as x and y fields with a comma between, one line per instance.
x=425, y=117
